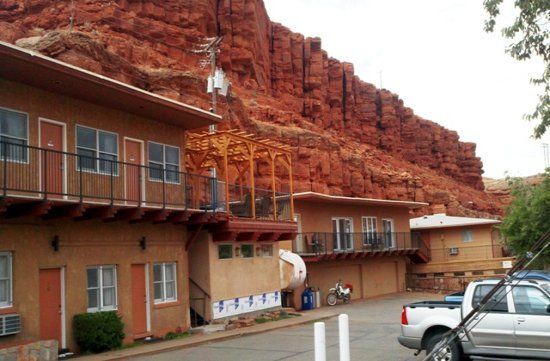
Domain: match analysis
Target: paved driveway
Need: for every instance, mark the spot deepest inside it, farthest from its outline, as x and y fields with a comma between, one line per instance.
x=374, y=327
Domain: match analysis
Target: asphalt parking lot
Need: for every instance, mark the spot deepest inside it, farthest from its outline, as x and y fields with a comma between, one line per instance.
x=374, y=327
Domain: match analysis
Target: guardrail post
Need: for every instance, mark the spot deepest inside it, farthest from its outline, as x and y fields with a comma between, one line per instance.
x=80, y=177
x=140, y=180
x=320, y=342
x=164, y=173
x=5, y=156
x=343, y=333
x=112, y=180
x=45, y=173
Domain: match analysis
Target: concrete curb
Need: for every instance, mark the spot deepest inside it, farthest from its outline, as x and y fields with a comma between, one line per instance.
x=201, y=339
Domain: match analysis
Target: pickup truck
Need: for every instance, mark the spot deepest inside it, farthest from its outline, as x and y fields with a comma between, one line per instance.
x=515, y=323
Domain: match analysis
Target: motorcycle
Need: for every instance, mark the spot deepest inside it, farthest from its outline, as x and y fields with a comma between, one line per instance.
x=339, y=293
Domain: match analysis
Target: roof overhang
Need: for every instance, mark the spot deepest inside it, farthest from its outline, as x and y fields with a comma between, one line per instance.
x=34, y=69
x=465, y=224
x=325, y=198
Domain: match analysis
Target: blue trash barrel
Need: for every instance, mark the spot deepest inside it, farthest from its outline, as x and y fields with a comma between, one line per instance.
x=307, y=299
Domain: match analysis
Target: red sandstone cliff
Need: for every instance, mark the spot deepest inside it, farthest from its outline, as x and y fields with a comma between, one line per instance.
x=349, y=137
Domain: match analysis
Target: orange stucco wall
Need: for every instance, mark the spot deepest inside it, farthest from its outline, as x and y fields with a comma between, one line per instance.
x=236, y=277
x=317, y=216
x=480, y=247
x=90, y=243
x=370, y=277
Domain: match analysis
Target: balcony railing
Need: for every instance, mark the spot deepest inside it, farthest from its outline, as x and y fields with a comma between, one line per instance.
x=329, y=242
x=33, y=172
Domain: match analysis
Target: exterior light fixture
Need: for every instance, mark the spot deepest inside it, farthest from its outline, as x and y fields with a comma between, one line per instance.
x=55, y=243
x=143, y=243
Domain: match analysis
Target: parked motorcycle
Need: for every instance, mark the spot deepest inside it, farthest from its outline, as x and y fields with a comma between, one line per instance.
x=339, y=293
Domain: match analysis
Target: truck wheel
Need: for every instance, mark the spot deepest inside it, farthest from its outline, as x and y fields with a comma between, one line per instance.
x=331, y=299
x=450, y=352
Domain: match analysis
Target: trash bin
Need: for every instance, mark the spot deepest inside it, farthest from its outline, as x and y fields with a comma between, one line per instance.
x=307, y=299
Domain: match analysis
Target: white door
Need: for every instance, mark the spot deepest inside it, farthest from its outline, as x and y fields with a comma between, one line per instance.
x=532, y=321
x=342, y=229
x=369, y=231
x=388, y=233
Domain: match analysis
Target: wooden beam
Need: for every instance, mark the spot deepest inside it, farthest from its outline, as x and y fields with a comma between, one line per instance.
x=66, y=211
x=193, y=236
x=155, y=216
x=102, y=213
x=131, y=214
x=28, y=209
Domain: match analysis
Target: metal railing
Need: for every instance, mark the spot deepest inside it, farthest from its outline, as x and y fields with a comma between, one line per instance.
x=331, y=242
x=241, y=205
x=41, y=173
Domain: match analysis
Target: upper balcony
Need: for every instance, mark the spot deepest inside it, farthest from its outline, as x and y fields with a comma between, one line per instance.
x=54, y=184
x=317, y=246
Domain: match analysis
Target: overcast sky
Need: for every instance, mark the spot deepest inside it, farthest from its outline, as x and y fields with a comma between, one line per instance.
x=435, y=55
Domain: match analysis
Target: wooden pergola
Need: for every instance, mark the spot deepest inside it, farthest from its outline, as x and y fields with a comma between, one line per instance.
x=225, y=148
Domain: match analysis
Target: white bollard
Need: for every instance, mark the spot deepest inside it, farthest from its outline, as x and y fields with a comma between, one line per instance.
x=343, y=331
x=320, y=343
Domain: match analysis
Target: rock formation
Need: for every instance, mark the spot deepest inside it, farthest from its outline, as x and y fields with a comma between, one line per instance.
x=349, y=137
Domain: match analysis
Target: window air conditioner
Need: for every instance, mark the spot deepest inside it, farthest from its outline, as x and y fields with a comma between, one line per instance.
x=10, y=324
x=453, y=250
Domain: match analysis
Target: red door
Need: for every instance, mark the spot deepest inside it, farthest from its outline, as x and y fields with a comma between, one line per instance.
x=51, y=140
x=133, y=169
x=139, y=301
x=50, y=304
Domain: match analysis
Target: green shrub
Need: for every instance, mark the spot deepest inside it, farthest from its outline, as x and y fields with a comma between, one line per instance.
x=99, y=331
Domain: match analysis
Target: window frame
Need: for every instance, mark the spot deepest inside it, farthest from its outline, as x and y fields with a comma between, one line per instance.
x=469, y=232
x=163, y=283
x=230, y=246
x=100, y=288
x=26, y=159
x=369, y=234
x=96, y=158
x=263, y=247
x=163, y=168
x=9, y=302
x=251, y=250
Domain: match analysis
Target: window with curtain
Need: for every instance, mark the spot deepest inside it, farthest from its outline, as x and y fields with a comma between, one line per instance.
x=164, y=163
x=13, y=135
x=101, y=288
x=5, y=279
x=164, y=282
x=97, y=150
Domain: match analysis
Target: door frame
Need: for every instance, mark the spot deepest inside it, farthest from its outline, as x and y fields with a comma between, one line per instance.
x=63, y=344
x=64, y=150
x=141, y=168
x=350, y=219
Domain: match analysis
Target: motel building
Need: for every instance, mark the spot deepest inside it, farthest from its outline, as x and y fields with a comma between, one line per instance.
x=107, y=203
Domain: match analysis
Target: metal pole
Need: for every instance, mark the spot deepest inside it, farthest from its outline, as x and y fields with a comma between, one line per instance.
x=4, y=153
x=320, y=342
x=343, y=331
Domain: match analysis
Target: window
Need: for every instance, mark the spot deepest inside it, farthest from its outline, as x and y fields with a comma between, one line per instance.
x=497, y=303
x=225, y=251
x=101, y=288
x=266, y=250
x=5, y=279
x=164, y=281
x=369, y=230
x=98, y=150
x=530, y=300
x=164, y=157
x=467, y=235
x=13, y=135
x=247, y=251
x=388, y=235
